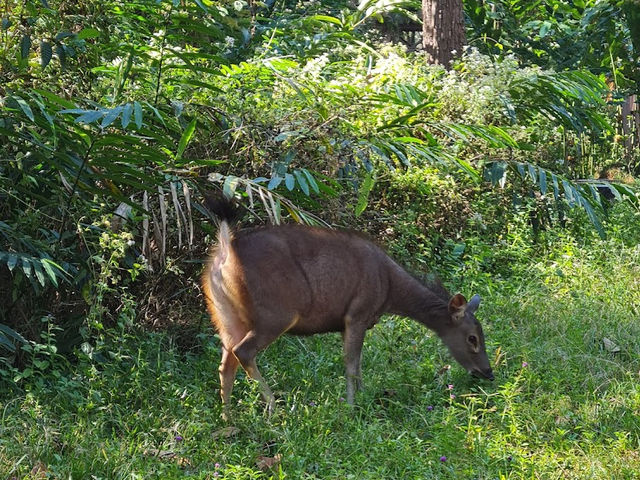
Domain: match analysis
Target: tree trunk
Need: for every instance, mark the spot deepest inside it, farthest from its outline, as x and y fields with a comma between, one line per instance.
x=631, y=10
x=443, y=30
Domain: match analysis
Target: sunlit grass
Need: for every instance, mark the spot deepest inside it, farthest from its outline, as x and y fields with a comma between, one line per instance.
x=565, y=404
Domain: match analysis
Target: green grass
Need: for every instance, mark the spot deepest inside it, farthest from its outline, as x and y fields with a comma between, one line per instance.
x=572, y=412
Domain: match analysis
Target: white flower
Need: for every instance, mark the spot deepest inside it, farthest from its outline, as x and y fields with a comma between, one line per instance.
x=314, y=67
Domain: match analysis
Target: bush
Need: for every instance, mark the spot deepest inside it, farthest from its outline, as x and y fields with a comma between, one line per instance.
x=185, y=97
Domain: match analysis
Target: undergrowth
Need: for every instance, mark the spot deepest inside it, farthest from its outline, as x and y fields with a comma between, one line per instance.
x=562, y=336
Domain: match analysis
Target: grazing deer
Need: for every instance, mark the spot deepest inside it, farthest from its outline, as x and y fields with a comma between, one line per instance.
x=263, y=282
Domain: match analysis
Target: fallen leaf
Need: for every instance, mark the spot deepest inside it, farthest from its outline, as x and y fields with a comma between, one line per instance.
x=39, y=471
x=609, y=346
x=225, y=432
x=265, y=463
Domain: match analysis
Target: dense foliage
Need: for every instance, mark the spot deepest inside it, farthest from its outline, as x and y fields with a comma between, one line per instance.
x=599, y=36
x=115, y=118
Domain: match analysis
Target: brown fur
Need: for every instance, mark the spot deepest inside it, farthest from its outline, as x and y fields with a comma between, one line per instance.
x=261, y=283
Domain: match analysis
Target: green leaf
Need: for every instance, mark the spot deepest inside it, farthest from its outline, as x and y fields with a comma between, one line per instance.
x=556, y=189
x=75, y=110
x=202, y=6
x=274, y=182
x=302, y=181
x=88, y=33
x=26, y=373
x=46, y=52
x=568, y=192
x=55, y=99
x=186, y=137
x=12, y=261
x=49, y=266
x=289, y=181
x=37, y=266
x=126, y=114
x=623, y=190
x=10, y=332
x=41, y=364
x=26, y=267
x=89, y=117
x=24, y=106
x=137, y=114
x=110, y=116
x=497, y=173
x=62, y=56
x=399, y=153
x=544, y=29
x=311, y=180
x=326, y=18
x=285, y=135
x=6, y=344
x=382, y=154
x=586, y=204
x=458, y=250
x=63, y=35
x=25, y=46
x=363, y=194
x=467, y=167
x=543, y=181
x=595, y=195
x=7, y=333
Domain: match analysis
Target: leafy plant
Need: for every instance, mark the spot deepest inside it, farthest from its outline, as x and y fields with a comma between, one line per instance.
x=115, y=117
x=562, y=35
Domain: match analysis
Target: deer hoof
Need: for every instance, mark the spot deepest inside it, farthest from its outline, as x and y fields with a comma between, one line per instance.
x=226, y=414
x=271, y=406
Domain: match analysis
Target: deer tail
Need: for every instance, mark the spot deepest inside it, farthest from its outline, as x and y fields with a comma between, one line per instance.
x=223, y=208
x=227, y=213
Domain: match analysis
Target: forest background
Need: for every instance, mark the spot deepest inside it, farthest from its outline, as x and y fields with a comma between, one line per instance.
x=509, y=172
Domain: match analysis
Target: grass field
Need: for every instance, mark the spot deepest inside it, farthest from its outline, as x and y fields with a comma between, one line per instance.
x=564, y=338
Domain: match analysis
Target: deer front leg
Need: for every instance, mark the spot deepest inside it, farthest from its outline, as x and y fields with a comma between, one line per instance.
x=353, y=338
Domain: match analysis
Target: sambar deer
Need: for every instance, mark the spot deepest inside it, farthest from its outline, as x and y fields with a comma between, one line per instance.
x=263, y=282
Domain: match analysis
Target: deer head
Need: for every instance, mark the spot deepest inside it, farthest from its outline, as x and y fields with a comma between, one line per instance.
x=462, y=334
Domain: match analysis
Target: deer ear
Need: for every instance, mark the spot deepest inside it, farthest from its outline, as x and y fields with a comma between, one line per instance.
x=457, y=306
x=473, y=304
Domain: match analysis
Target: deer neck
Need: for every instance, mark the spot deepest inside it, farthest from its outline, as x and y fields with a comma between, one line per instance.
x=410, y=298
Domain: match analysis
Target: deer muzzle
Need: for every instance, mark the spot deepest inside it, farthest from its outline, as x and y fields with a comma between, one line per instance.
x=488, y=374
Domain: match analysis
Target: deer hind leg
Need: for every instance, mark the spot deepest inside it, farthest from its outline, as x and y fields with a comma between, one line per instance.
x=258, y=339
x=246, y=352
x=353, y=338
x=232, y=330
x=228, y=368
